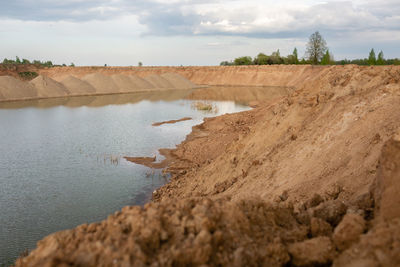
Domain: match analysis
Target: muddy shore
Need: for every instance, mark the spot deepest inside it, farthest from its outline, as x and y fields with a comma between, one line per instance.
x=305, y=178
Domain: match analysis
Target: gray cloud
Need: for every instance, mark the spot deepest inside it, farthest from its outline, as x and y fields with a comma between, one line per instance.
x=222, y=18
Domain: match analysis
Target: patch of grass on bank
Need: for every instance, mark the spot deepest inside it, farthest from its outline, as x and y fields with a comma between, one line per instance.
x=28, y=75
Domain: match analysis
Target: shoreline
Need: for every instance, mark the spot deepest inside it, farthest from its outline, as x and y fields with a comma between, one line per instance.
x=305, y=179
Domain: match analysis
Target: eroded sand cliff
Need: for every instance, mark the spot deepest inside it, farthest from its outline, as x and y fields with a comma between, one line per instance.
x=308, y=178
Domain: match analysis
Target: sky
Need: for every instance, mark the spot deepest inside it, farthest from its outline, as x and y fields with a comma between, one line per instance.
x=191, y=32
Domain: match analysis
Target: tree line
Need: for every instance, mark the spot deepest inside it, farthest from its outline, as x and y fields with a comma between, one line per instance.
x=18, y=61
x=317, y=53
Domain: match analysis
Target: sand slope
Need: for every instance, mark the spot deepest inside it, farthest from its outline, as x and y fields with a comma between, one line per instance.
x=141, y=83
x=12, y=88
x=178, y=81
x=159, y=82
x=47, y=87
x=102, y=83
x=77, y=86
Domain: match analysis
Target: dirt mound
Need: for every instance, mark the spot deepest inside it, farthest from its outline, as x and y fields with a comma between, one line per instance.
x=179, y=233
x=12, y=88
x=159, y=82
x=178, y=81
x=124, y=83
x=77, y=86
x=47, y=87
x=102, y=83
x=141, y=83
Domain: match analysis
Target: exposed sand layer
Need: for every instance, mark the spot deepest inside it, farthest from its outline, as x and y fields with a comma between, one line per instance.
x=103, y=84
x=158, y=81
x=178, y=81
x=90, y=84
x=12, y=88
x=47, y=87
x=77, y=86
x=309, y=179
x=171, y=121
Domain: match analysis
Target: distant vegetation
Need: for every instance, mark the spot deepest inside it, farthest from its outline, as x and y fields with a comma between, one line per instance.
x=38, y=63
x=28, y=75
x=317, y=53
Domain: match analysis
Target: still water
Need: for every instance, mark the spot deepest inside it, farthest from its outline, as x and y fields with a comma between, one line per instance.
x=61, y=160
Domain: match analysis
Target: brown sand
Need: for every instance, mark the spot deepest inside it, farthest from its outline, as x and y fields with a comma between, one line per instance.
x=241, y=94
x=159, y=82
x=171, y=121
x=141, y=160
x=12, y=88
x=90, y=84
x=102, y=83
x=47, y=87
x=304, y=180
x=77, y=86
x=141, y=83
x=177, y=81
x=124, y=83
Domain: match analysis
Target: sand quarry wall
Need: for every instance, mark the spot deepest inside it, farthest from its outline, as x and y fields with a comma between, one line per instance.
x=275, y=75
x=68, y=84
x=310, y=179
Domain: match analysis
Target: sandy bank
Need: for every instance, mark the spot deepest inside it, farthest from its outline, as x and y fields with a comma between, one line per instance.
x=171, y=121
x=306, y=179
x=12, y=89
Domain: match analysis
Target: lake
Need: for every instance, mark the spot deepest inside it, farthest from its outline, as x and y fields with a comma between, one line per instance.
x=61, y=160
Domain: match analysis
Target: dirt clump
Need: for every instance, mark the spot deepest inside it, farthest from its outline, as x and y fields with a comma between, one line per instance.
x=348, y=231
x=189, y=232
x=315, y=251
x=319, y=227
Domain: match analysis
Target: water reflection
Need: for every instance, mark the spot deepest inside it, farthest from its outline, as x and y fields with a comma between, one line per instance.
x=100, y=100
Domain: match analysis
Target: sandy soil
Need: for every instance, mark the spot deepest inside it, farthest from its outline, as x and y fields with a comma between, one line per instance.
x=171, y=121
x=47, y=87
x=77, y=86
x=306, y=179
x=12, y=88
x=91, y=84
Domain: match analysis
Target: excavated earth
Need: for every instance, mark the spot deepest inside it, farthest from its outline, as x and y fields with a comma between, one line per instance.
x=309, y=177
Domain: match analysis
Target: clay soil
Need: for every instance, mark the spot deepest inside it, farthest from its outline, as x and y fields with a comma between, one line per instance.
x=307, y=178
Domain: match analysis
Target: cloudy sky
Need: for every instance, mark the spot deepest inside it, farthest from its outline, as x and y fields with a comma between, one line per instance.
x=191, y=32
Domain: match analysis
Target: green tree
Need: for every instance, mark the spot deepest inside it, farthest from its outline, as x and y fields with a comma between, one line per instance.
x=72, y=65
x=17, y=60
x=261, y=59
x=295, y=56
x=316, y=48
x=327, y=59
x=372, y=57
x=226, y=63
x=243, y=61
x=275, y=58
x=25, y=61
x=380, y=60
x=140, y=64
